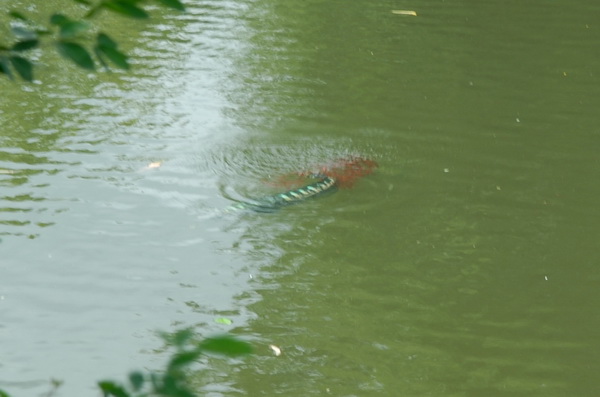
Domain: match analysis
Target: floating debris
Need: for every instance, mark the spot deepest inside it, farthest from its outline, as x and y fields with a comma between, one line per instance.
x=404, y=12
x=276, y=350
x=155, y=164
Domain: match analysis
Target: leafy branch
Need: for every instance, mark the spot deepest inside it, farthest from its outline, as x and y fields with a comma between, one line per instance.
x=173, y=380
x=67, y=34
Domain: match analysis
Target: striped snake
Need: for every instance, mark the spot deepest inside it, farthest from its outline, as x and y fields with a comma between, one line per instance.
x=273, y=203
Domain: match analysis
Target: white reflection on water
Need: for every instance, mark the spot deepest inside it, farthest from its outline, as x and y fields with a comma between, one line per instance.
x=116, y=251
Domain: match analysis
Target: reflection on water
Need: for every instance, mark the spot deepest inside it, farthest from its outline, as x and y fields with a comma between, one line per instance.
x=60, y=136
x=118, y=250
x=24, y=175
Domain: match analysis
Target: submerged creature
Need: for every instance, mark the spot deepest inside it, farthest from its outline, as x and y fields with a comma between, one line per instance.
x=341, y=173
x=291, y=197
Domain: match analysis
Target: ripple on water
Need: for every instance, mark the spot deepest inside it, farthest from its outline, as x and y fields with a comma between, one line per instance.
x=252, y=169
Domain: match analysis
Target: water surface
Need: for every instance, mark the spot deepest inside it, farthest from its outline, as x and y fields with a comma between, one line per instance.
x=465, y=266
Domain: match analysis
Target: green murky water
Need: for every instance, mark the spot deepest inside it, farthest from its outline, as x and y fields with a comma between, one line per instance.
x=465, y=266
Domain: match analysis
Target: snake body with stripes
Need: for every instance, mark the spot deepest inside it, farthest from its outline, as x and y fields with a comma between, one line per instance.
x=274, y=202
x=340, y=173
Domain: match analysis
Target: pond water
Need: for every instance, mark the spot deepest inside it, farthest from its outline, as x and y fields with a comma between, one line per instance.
x=465, y=265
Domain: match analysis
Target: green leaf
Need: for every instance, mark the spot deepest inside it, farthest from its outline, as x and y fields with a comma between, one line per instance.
x=58, y=19
x=25, y=45
x=179, y=338
x=174, y=387
x=223, y=320
x=3, y=394
x=125, y=8
x=176, y=4
x=101, y=58
x=42, y=31
x=72, y=28
x=156, y=380
x=107, y=47
x=137, y=380
x=18, y=15
x=104, y=40
x=112, y=389
x=76, y=53
x=117, y=57
x=5, y=67
x=225, y=345
x=23, y=67
x=181, y=359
